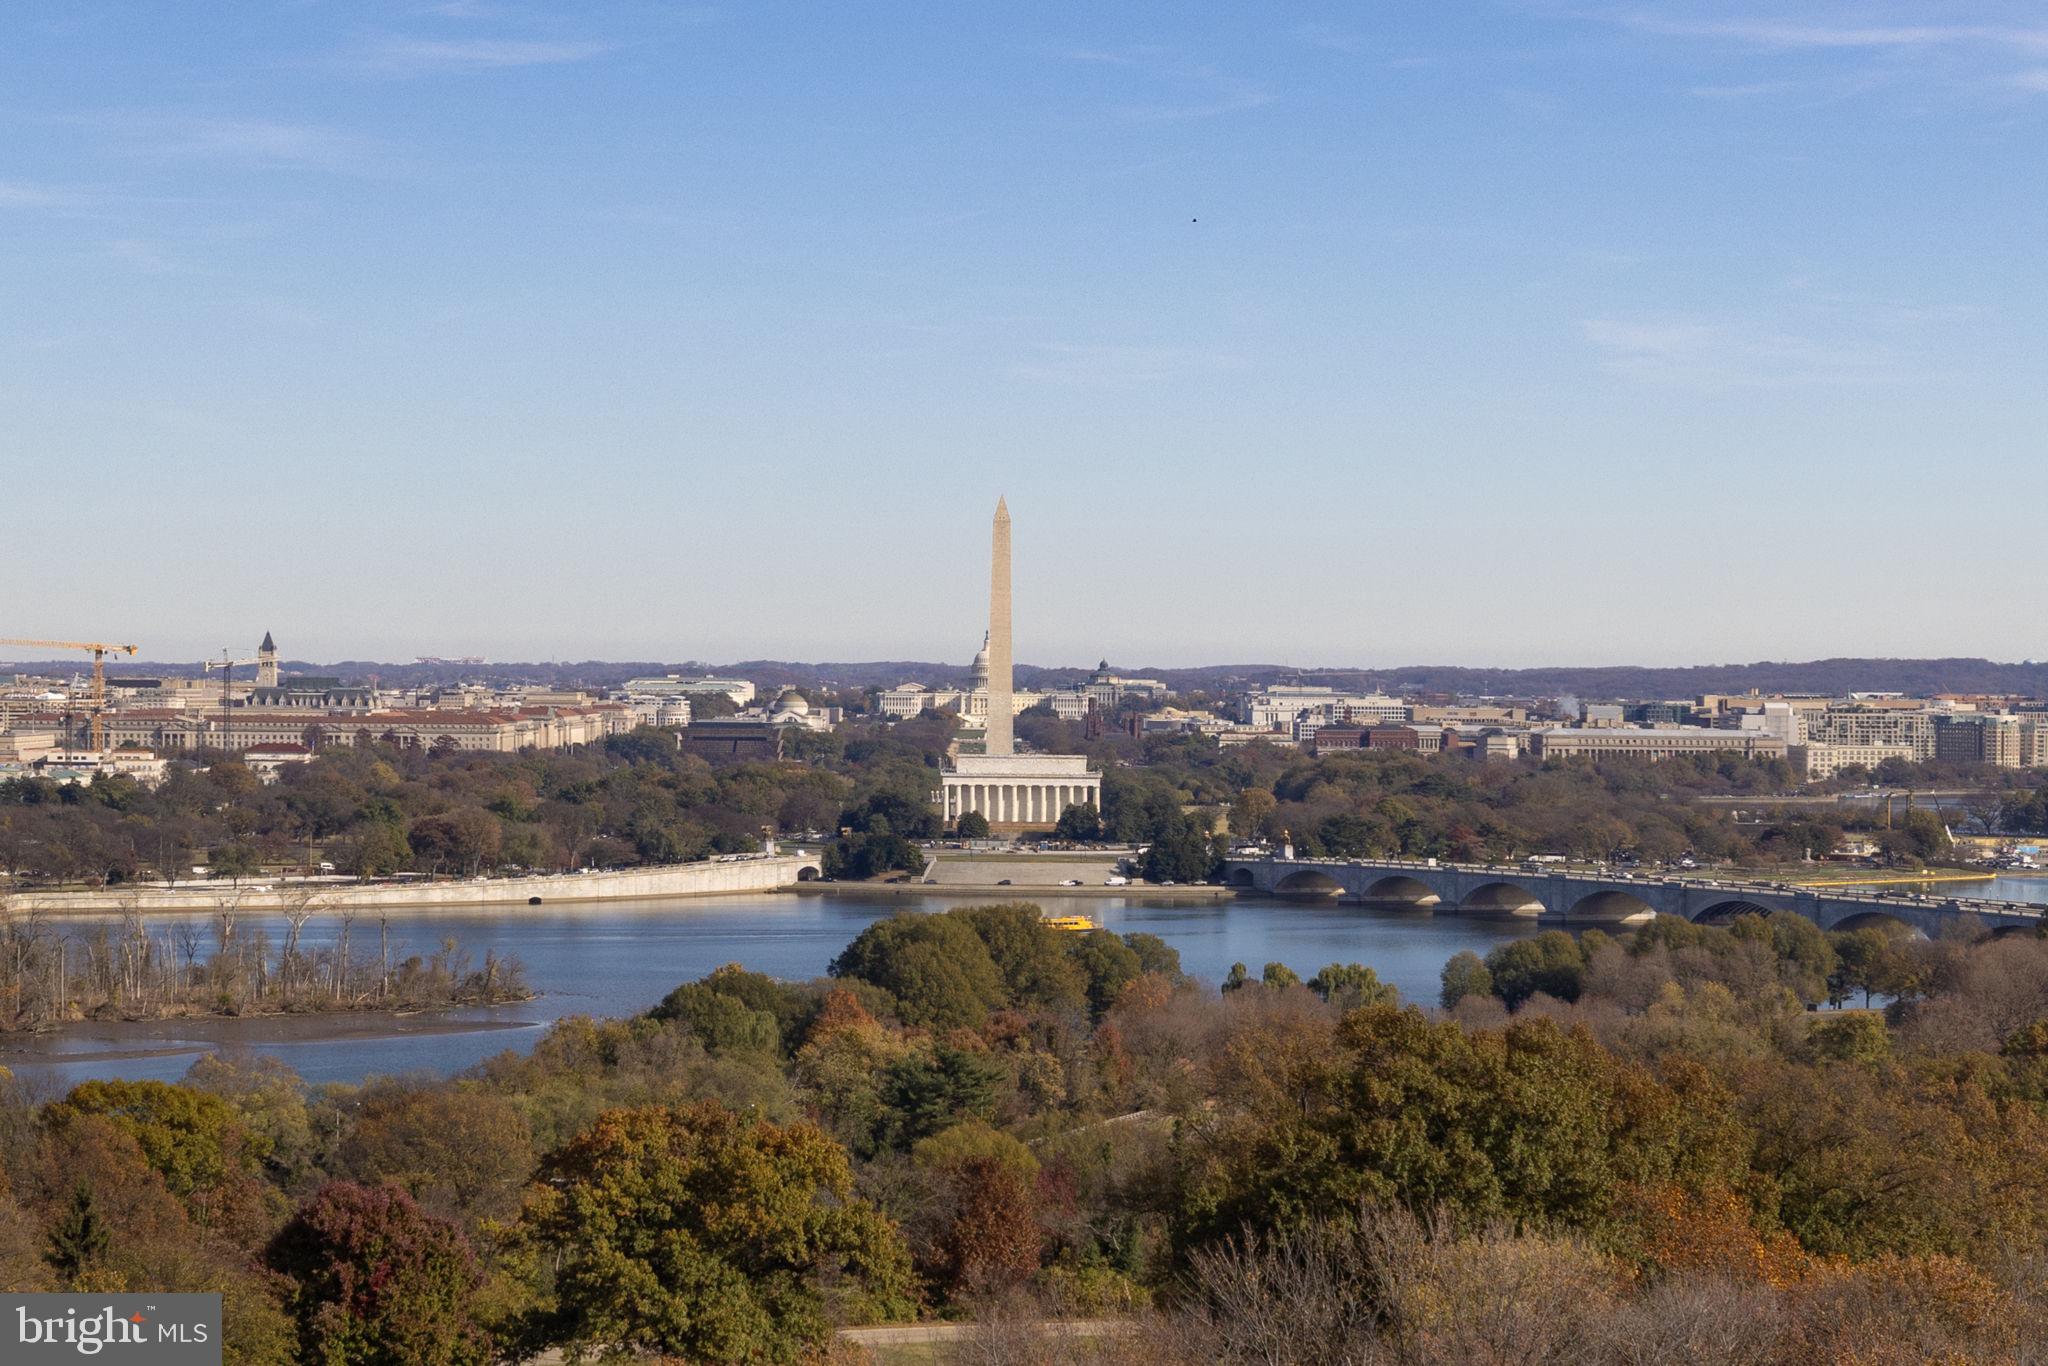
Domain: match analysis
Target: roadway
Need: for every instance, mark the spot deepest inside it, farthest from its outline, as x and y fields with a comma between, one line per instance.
x=1564, y=894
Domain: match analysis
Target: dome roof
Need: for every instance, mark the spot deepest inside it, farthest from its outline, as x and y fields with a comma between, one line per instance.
x=793, y=701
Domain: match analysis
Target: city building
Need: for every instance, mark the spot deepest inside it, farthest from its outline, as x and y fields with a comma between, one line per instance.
x=1873, y=722
x=506, y=732
x=740, y=690
x=1010, y=790
x=305, y=692
x=1662, y=743
x=1107, y=689
x=82, y=766
x=2034, y=741
x=970, y=703
x=267, y=761
x=1818, y=763
x=733, y=737
x=659, y=711
x=1996, y=739
x=1300, y=709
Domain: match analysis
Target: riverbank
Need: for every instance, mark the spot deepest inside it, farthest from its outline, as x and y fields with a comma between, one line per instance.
x=319, y=1020
x=738, y=873
x=1012, y=891
x=114, y=1041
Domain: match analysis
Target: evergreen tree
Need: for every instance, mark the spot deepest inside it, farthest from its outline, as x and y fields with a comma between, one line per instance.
x=79, y=1239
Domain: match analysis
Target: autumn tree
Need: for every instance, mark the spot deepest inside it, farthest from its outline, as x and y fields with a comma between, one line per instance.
x=1527, y=1123
x=1350, y=985
x=1465, y=974
x=460, y=1151
x=1081, y=824
x=700, y=1234
x=1550, y=962
x=935, y=965
x=373, y=1279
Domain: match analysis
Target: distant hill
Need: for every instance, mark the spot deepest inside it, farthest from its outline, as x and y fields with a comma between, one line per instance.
x=1830, y=676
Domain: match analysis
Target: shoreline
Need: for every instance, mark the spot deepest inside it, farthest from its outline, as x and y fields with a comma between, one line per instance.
x=731, y=875
x=71, y=1041
x=1014, y=892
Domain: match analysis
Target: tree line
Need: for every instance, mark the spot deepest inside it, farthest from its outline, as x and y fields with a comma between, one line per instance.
x=864, y=791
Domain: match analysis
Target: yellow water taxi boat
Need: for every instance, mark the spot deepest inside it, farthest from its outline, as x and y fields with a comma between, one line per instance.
x=1077, y=923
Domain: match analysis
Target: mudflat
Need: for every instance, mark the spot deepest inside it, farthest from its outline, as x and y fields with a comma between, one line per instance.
x=112, y=1039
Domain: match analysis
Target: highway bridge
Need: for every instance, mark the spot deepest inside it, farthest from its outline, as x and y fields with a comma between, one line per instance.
x=1577, y=896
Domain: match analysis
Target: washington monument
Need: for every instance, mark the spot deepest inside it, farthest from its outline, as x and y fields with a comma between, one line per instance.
x=1000, y=717
x=1011, y=791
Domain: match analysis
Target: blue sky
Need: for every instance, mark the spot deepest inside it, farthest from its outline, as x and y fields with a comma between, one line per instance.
x=1492, y=333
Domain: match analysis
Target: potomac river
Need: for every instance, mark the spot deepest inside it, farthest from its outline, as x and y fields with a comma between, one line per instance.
x=619, y=958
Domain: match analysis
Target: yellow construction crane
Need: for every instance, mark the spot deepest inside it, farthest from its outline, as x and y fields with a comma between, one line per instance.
x=98, y=650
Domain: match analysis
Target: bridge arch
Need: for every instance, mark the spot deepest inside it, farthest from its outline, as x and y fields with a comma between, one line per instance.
x=1611, y=907
x=1878, y=920
x=1308, y=882
x=1502, y=899
x=809, y=872
x=1728, y=911
x=1403, y=891
x=1242, y=877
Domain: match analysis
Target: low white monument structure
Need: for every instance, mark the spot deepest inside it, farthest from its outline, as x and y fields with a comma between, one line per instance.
x=1011, y=790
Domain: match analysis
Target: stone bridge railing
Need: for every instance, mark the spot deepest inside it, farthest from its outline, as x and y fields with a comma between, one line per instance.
x=1604, y=897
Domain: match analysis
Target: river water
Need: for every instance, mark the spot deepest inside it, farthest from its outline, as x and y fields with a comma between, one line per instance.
x=618, y=958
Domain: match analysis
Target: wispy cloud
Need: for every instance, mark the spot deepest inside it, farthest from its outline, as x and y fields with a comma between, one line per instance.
x=418, y=56
x=1111, y=366
x=1864, y=50
x=1687, y=353
x=179, y=137
x=1186, y=91
x=143, y=256
x=1100, y=58
x=23, y=194
x=1329, y=37
x=1748, y=90
x=1789, y=33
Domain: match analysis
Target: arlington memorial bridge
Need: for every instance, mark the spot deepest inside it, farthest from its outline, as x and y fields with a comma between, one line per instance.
x=1571, y=896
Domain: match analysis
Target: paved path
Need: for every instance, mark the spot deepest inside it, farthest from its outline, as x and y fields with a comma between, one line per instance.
x=921, y=1334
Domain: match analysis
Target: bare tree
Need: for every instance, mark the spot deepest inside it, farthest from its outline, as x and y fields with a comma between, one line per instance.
x=347, y=917
x=300, y=904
